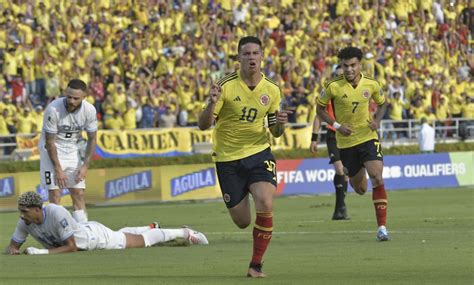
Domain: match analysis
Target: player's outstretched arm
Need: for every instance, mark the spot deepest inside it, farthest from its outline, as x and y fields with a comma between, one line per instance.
x=206, y=118
x=13, y=248
x=69, y=246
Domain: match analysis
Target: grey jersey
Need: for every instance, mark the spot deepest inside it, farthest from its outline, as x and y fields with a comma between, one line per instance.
x=58, y=225
x=67, y=126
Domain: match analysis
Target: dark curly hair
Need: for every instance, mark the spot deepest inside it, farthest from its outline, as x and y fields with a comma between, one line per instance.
x=350, y=52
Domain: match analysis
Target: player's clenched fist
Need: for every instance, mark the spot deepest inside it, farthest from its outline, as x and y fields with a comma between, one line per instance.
x=214, y=93
x=282, y=116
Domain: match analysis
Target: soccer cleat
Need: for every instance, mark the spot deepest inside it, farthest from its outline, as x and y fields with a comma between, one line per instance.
x=154, y=225
x=195, y=237
x=340, y=214
x=382, y=234
x=255, y=271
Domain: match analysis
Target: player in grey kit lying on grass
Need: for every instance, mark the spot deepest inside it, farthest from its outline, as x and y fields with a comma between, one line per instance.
x=54, y=227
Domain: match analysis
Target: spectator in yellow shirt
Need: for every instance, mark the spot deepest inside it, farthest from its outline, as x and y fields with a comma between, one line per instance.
x=130, y=116
x=5, y=129
x=25, y=123
x=38, y=116
x=116, y=122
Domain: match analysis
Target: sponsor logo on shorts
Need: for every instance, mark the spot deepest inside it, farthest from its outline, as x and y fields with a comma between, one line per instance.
x=128, y=184
x=193, y=181
x=7, y=187
x=226, y=198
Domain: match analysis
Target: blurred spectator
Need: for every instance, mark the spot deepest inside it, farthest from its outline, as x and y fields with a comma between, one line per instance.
x=466, y=128
x=442, y=115
x=115, y=122
x=168, y=119
x=130, y=116
x=38, y=118
x=52, y=86
x=149, y=116
x=144, y=48
x=25, y=122
x=426, y=137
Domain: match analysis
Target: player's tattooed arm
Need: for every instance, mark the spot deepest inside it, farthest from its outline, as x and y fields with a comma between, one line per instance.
x=90, y=148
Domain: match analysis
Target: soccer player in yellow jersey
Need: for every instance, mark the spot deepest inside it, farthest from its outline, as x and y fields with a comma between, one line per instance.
x=240, y=104
x=356, y=135
x=340, y=178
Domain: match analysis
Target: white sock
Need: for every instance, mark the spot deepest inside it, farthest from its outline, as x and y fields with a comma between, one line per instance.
x=80, y=216
x=154, y=236
x=135, y=230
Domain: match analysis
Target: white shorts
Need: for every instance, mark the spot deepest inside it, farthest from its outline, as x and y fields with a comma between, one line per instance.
x=70, y=164
x=101, y=237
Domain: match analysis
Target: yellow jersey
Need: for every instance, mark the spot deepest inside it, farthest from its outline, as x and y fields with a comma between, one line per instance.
x=240, y=115
x=351, y=107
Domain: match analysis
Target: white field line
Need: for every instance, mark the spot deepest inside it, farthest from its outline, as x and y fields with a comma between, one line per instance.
x=340, y=232
x=431, y=219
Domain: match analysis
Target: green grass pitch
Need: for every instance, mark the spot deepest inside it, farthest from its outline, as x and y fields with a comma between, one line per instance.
x=432, y=243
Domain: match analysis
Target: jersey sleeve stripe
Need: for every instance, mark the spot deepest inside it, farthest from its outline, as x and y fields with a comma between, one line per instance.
x=272, y=82
x=321, y=103
x=371, y=78
x=333, y=80
x=227, y=78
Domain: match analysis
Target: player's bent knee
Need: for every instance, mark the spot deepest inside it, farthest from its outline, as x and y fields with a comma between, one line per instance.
x=242, y=224
x=54, y=196
x=360, y=190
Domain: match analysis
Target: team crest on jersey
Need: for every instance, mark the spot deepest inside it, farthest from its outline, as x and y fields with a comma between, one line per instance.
x=264, y=99
x=366, y=94
x=64, y=223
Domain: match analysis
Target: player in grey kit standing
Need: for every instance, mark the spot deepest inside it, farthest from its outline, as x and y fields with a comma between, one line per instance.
x=60, y=163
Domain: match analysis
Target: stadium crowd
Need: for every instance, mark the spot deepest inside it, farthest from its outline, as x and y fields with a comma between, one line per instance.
x=150, y=63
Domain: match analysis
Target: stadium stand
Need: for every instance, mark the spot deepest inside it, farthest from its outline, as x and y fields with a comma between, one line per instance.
x=147, y=59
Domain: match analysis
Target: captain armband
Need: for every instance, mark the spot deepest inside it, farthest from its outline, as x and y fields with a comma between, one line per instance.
x=271, y=119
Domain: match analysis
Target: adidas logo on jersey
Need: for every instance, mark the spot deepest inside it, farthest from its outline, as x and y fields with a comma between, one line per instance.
x=344, y=96
x=237, y=98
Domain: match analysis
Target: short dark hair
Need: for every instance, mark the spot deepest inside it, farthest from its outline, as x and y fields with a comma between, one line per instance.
x=77, y=84
x=247, y=40
x=350, y=52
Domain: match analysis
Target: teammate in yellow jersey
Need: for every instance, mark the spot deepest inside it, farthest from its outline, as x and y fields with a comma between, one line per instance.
x=356, y=135
x=340, y=178
x=240, y=104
